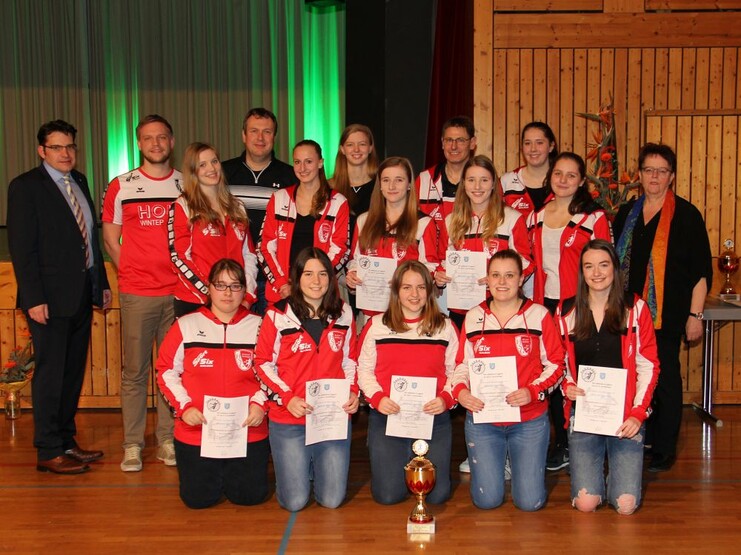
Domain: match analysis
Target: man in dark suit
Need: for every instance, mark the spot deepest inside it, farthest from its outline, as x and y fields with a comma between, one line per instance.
x=53, y=239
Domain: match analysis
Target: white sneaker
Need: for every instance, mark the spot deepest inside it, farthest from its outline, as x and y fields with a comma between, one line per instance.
x=132, y=460
x=464, y=467
x=166, y=453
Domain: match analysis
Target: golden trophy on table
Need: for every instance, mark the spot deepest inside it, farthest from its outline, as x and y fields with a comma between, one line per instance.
x=420, y=479
x=728, y=264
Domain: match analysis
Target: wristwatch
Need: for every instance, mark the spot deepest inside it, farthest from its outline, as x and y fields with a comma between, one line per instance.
x=697, y=315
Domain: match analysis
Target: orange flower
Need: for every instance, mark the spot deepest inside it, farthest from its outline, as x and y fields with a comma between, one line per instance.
x=595, y=194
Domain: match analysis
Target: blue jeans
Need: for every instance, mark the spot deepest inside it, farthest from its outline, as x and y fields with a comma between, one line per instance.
x=624, y=458
x=389, y=455
x=296, y=464
x=488, y=446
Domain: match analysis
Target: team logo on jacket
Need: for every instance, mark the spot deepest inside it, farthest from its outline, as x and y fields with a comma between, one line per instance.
x=202, y=360
x=524, y=344
x=398, y=253
x=336, y=339
x=299, y=346
x=243, y=358
x=324, y=232
x=571, y=240
x=493, y=248
x=282, y=235
x=238, y=232
x=480, y=347
x=521, y=204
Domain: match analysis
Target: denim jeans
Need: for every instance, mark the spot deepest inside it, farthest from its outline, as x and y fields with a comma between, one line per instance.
x=204, y=481
x=488, y=446
x=296, y=464
x=389, y=455
x=624, y=458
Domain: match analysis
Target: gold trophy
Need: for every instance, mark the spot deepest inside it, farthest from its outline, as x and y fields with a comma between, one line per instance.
x=420, y=478
x=728, y=264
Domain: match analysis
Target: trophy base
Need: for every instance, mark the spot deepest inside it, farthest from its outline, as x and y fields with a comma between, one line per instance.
x=729, y=297
x=421, y=527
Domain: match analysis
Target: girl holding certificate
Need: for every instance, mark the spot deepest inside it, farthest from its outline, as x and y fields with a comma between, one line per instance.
x=393, y=227
x=605, y=327
x=211, y=352
x=558, y=233
x=309, y=214
x=308, y=336
x=414, y=339
x=519, y=339
x=481, y=222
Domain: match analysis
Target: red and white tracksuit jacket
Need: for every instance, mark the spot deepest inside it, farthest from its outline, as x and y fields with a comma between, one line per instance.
x=384, y=353
x=201, y=355
x=511, y=234
x=196, y=246
x=581, y=229
x=287, y=357
x=429, y=187
x=514, y=192
x=639, y=353
x=530, y=336
x=331, y=234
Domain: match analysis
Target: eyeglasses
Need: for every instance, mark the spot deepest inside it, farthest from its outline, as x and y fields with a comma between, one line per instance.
x=661, y=172
x=233, y=287
x=60, y=148
x=459, y=141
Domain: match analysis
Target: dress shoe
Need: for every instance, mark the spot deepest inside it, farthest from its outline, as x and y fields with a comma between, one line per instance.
x=661, y=463
x=82, y=455
x=62, y=464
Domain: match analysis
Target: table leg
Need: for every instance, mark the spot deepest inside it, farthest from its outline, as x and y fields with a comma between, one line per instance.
x=706, y=410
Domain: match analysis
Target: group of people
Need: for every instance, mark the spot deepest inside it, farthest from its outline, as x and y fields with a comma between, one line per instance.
x=257, y=263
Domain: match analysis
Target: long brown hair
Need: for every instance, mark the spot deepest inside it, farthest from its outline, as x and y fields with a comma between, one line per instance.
x=405, y=228
x=460, y=219
x=331, y=305
x=321, y=197
x=341, y=177
x=198, y=203
x=432, y=319
x=582, y=202
x=616, y=311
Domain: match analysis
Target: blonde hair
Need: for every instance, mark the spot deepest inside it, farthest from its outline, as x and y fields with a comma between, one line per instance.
x=198, y=204
x=405, y=228
x=460, y=218
x=432, y=319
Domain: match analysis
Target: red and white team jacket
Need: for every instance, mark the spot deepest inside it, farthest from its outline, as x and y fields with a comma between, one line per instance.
x=425, y=249
x=201, y=355
x=429, y=187
x=385, y=353
x=195, y=247
x=287, y=357
x=140, y=204
x=639, y=353
x=511, y=234
x=514, y=193
x=530, y=336
x=578, y=232
x=331, y=234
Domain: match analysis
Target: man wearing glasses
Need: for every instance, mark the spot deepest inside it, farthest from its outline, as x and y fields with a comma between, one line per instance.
x=54, y=247
x=437, y=185
x=135, y=208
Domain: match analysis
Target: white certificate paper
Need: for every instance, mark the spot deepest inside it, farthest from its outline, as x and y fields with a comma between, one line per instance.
x=376, y=273
x=600, y=410
x=223, y=436
x=327, y=420
x=411, y=394
x=465, y=268
x=492, y=379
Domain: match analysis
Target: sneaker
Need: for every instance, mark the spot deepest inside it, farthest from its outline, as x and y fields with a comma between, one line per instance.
x=558, y=459
x=464, y=467
x=132, y=460
x=166, y=453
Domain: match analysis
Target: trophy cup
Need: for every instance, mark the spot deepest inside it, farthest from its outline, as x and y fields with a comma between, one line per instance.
x=728, y=264
x=420, y=479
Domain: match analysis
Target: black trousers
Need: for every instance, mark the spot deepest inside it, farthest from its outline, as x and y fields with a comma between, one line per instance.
x=60, y=350
x=662, y=427
x=204, y=481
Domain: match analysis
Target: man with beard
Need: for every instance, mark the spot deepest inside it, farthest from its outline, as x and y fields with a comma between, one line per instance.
x=135, y=210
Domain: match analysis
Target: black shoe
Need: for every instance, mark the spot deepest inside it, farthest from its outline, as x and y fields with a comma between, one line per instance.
x=661, y=463
x=558, y=459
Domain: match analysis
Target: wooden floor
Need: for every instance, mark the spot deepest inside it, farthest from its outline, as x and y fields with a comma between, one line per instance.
x=695, y=508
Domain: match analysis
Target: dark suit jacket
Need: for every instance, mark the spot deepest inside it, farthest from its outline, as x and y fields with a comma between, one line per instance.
x=46, y=246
